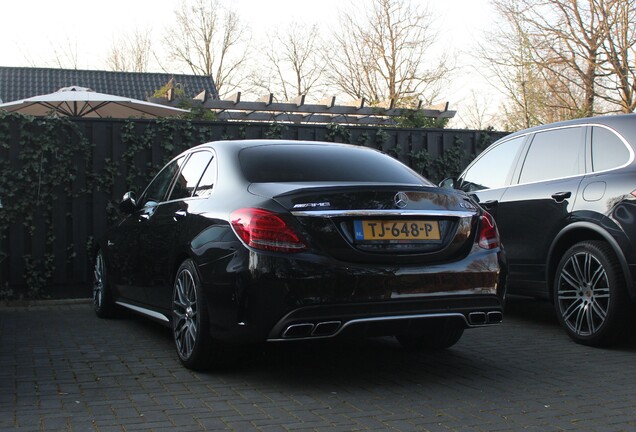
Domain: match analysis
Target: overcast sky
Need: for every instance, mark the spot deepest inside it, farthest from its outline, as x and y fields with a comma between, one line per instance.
x=35, y=33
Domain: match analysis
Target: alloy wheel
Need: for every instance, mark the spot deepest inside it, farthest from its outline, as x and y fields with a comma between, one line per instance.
x=98, y=282
x=583, y=294
x=186, y=316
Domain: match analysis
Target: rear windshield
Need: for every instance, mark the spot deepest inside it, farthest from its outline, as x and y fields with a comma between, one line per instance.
x=315, y=163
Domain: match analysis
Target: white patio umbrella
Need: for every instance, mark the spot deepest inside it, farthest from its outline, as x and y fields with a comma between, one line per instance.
x=83, y=102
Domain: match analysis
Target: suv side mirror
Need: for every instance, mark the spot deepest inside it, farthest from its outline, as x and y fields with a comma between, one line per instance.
x=128, y=203
x=449, y=183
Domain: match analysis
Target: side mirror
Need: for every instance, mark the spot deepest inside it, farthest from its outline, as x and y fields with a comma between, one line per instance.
x=449, y=183
x=128, y=203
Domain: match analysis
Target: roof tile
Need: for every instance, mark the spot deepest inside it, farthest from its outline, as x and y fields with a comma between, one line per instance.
x=23, y=82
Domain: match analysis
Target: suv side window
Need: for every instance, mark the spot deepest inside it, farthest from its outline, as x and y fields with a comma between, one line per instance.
x=158, y=187
x=492, y=168
x=608, y=150
x=554, y=154
x=190, y=175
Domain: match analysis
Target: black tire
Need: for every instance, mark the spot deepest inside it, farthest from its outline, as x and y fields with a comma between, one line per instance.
x=103, y=303
x=435, y=335
x=190, y=321
x=590, y=296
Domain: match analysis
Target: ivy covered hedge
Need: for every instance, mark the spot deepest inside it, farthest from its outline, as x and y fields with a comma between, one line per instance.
x=33, y=175
x=61, y=180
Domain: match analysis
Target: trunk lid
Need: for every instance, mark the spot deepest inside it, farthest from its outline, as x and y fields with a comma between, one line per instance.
x=378, y=222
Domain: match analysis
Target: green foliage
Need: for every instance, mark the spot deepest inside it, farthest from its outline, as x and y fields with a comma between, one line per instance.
x=421, y=161
x=363, y=138
x=169, y=136
x=485, y=139
x=449, y=164
x=40, y=158
x=177, y=91
x=415, y=119
x=197, y=111
x=52, y=153
x=275, y=131
x=195, y=108
x=381, y=137
x=377, y=140
x=337, y=133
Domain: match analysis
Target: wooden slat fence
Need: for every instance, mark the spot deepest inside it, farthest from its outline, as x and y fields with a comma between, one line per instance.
x=124, y=154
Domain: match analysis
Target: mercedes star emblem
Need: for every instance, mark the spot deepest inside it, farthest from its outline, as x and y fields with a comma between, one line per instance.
x=401, y=200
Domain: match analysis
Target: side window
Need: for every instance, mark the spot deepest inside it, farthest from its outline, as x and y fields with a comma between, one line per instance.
x=608, y=150
x=157, y=189
x=206, y=184
x=554, y=154
x=492, y=168
x=190, y=175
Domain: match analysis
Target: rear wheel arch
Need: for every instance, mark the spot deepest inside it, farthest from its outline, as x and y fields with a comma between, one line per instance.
x=576, y=233
x=190, y=318
x=176, y=264
x=196, y=348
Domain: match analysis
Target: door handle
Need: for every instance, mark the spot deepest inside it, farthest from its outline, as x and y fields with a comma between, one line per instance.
x=180, y=214
x=561, y=196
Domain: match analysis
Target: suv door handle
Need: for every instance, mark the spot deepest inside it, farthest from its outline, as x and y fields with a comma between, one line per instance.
x=180, y=214
x=561, y=196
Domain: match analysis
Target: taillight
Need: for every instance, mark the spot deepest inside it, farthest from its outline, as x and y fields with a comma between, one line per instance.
x=488, y=235
x=263, y=229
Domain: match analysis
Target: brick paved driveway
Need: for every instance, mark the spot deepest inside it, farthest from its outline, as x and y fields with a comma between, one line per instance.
x=61, y=368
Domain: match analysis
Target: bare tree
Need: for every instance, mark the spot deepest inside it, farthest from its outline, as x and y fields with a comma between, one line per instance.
x=475, y=114
x=131, y=53
x=66, y=56
x=507, y=56
x=563, y=38
x=576, y=58
x=384, y=52
x=294, y=66
x=619, y=50
x=209, y=39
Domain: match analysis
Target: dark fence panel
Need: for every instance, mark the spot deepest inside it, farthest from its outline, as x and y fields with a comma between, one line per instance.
x=124, y=154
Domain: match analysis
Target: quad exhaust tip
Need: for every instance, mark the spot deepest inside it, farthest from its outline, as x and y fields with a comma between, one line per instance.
x=495, y=317
x=331, y=328
x=298, y=330
x=326, y=328
x=303, y=330
x=482, y=318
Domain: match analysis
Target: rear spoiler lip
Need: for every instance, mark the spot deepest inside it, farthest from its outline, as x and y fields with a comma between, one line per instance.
x=385, y=212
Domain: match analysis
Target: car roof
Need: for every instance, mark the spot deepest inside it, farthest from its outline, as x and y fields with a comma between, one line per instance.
x=625, y=124
x=229, y=149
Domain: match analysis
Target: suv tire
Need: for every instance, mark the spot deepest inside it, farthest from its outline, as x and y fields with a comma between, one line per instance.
x=590, y=297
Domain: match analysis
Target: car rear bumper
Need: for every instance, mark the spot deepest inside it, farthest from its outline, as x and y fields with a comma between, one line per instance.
x=384, y=318
x=275, y=298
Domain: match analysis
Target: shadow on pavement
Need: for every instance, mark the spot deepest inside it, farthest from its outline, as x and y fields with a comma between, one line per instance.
x=531, y=309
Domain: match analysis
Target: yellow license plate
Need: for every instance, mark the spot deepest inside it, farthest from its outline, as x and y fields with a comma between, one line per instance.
x=396, y=230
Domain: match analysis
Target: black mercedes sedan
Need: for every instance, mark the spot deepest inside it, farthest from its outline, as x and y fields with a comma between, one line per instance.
x=564, y=198
x=234, y=243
